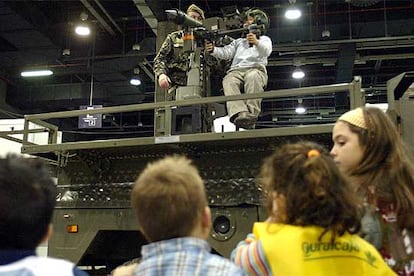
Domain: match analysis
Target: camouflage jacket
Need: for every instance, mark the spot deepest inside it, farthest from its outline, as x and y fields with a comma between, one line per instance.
x=172, y=60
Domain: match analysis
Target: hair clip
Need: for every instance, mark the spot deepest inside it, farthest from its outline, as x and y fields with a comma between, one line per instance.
x=313, y=153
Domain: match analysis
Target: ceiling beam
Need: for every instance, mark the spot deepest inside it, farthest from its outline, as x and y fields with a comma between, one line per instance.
x=150, y=73
x=108, y=15
x=147, y=14
x=100, y=19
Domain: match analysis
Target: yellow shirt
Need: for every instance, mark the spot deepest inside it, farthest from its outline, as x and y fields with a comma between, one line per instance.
x=295, y=250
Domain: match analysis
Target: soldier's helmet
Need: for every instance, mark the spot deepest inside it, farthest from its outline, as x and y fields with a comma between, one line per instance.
x=260, y=17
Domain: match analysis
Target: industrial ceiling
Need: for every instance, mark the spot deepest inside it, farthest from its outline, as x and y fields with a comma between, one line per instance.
x=333, y=41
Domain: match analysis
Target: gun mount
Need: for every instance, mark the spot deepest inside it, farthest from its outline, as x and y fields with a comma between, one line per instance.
x=181, y=18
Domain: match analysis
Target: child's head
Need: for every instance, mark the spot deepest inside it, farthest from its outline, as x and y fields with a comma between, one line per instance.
x=169, y=199
x=27, y=200
x=258, y=17
x=308, y=189
x=364, y=138
x=368, y=147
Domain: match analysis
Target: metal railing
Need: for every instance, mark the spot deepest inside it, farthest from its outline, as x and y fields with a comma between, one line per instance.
x=356, y=97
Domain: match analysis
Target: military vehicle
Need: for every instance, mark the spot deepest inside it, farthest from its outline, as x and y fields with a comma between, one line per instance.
x=94, y=225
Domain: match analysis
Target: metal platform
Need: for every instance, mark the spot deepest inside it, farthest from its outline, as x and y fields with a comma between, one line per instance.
x=95, y=177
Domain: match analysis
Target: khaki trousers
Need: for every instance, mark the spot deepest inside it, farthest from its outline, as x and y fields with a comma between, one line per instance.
x=252, y=80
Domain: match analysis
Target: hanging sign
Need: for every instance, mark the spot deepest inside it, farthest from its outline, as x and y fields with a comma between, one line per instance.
x=90, y=120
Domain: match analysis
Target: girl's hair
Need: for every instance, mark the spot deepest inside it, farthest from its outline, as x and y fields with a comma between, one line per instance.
x=386, y=165
x=315, y=191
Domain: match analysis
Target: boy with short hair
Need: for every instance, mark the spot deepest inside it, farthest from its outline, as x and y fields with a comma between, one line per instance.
x=27, y=200
x=171, y=206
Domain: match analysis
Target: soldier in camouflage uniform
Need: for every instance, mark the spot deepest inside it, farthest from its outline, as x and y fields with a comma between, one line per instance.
x=171, y=62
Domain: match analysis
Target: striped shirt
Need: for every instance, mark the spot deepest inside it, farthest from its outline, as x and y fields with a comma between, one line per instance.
x=183, y=256
x=250, y=255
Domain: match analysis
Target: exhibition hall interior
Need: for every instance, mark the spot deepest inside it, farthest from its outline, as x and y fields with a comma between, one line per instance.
x=96, y=59
x=331, y=42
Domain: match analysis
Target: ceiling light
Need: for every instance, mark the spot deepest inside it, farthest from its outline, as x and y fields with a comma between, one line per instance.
x=83, y=16
x=136, y=47
x=135, y=81
x=66, y=52
x=326, y=33
x=82, y=30
x=300, y=109
x=292, y=12
x=298, y=74
x=36, y=73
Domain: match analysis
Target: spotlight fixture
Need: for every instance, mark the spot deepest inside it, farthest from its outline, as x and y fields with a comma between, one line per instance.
x=66, y=52
x=325, y=33
x=82, y=28
x=292, y=12
x=135, y=81
x=300, y=109
x=298, y=74
x=36, y=73
x=136, y=47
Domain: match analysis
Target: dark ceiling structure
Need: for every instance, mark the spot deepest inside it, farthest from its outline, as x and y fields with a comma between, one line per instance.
x=333, y=41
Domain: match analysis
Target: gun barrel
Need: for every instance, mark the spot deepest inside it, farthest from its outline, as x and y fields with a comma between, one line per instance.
x=181, y=18
x=232, y=31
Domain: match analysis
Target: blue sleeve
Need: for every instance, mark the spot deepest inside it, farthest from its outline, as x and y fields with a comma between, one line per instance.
x=78, y=272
